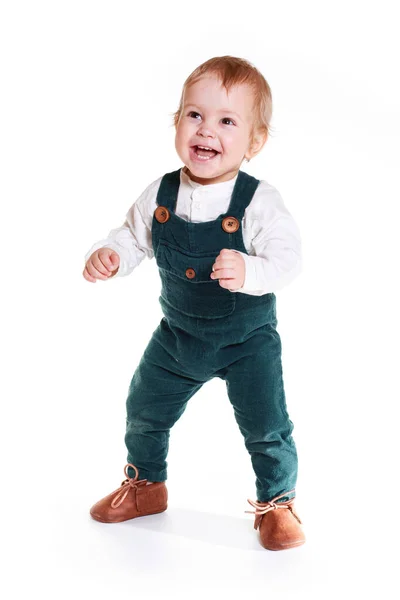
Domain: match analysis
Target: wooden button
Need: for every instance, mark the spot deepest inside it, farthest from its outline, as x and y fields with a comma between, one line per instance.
x=161, y=214
x=230, y=224
x=190, y=273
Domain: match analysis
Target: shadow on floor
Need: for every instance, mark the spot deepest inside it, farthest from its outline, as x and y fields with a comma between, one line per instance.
x=213, y=529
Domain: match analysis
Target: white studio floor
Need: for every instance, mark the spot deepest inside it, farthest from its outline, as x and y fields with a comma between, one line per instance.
x=189, y=551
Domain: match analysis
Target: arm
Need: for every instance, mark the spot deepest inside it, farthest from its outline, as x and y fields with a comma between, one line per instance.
x=275, y=257
x=278, y=262
x=273, y=243
x=132, y=241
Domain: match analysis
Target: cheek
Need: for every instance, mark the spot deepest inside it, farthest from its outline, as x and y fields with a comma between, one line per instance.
x=183, y=134
x=235, y=140
x=179, y=139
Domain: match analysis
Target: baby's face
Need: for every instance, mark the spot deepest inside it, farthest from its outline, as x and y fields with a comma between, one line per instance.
x=214, y=119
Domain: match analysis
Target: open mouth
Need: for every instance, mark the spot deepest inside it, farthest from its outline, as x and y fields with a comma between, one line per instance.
x=204, y=152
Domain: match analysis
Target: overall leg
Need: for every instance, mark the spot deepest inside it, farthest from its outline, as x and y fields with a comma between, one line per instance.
x=158, y=394
x=255, y=388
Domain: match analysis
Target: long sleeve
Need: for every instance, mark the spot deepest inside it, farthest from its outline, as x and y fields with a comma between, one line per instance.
x=275, y=256
x=270, y=234
x=133, y=240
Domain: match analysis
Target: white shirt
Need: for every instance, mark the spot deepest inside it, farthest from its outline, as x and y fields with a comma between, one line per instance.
x=270, y=235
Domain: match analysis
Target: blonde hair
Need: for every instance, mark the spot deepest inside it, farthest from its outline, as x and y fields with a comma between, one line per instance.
x=233, y=71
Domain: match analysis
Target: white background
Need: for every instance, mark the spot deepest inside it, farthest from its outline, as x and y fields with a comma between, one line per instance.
x=88, y=90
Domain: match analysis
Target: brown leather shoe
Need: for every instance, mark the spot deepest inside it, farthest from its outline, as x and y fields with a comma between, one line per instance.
x=280, y=527
x=133, y=499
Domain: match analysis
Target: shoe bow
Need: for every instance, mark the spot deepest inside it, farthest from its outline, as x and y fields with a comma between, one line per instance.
x=263, y=507
x=127, y=485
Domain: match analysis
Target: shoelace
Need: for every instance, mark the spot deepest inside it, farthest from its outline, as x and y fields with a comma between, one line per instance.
x=263, y=507
x=126, y=486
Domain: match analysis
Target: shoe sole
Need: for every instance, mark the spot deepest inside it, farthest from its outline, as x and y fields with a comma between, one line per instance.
x=96, y=518
x=287, y=547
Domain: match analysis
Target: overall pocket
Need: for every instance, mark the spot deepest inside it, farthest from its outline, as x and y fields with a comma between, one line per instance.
x=186, y=284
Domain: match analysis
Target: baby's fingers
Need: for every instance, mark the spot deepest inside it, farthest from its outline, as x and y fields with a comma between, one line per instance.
x=223, y=274
x=97, y=263
x=87, y=276
x=109, y=259
x=91, y=269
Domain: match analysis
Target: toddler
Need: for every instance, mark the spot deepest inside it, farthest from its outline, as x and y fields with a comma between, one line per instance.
x=224, y=242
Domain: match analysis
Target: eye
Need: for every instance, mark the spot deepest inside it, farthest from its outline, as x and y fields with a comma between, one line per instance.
x=228, y=119
x=192, y=112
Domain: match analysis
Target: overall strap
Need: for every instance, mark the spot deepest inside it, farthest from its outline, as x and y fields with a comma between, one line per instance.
x=242, y=194
x=168, y=190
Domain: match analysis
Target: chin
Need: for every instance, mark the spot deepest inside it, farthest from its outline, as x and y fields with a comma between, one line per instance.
x=204, y=173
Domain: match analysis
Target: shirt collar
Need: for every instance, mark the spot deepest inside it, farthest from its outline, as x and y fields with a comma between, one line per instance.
x=216, y=190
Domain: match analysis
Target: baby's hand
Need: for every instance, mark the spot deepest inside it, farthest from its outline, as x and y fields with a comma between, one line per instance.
x=102, y=264
x=230, y=269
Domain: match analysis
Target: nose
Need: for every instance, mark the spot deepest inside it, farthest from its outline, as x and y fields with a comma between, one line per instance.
x=205, y=130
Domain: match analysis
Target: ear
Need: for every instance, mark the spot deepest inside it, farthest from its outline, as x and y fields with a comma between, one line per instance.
x=256, y=145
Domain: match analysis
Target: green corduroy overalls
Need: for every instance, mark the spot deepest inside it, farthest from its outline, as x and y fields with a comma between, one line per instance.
x=209, y=331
